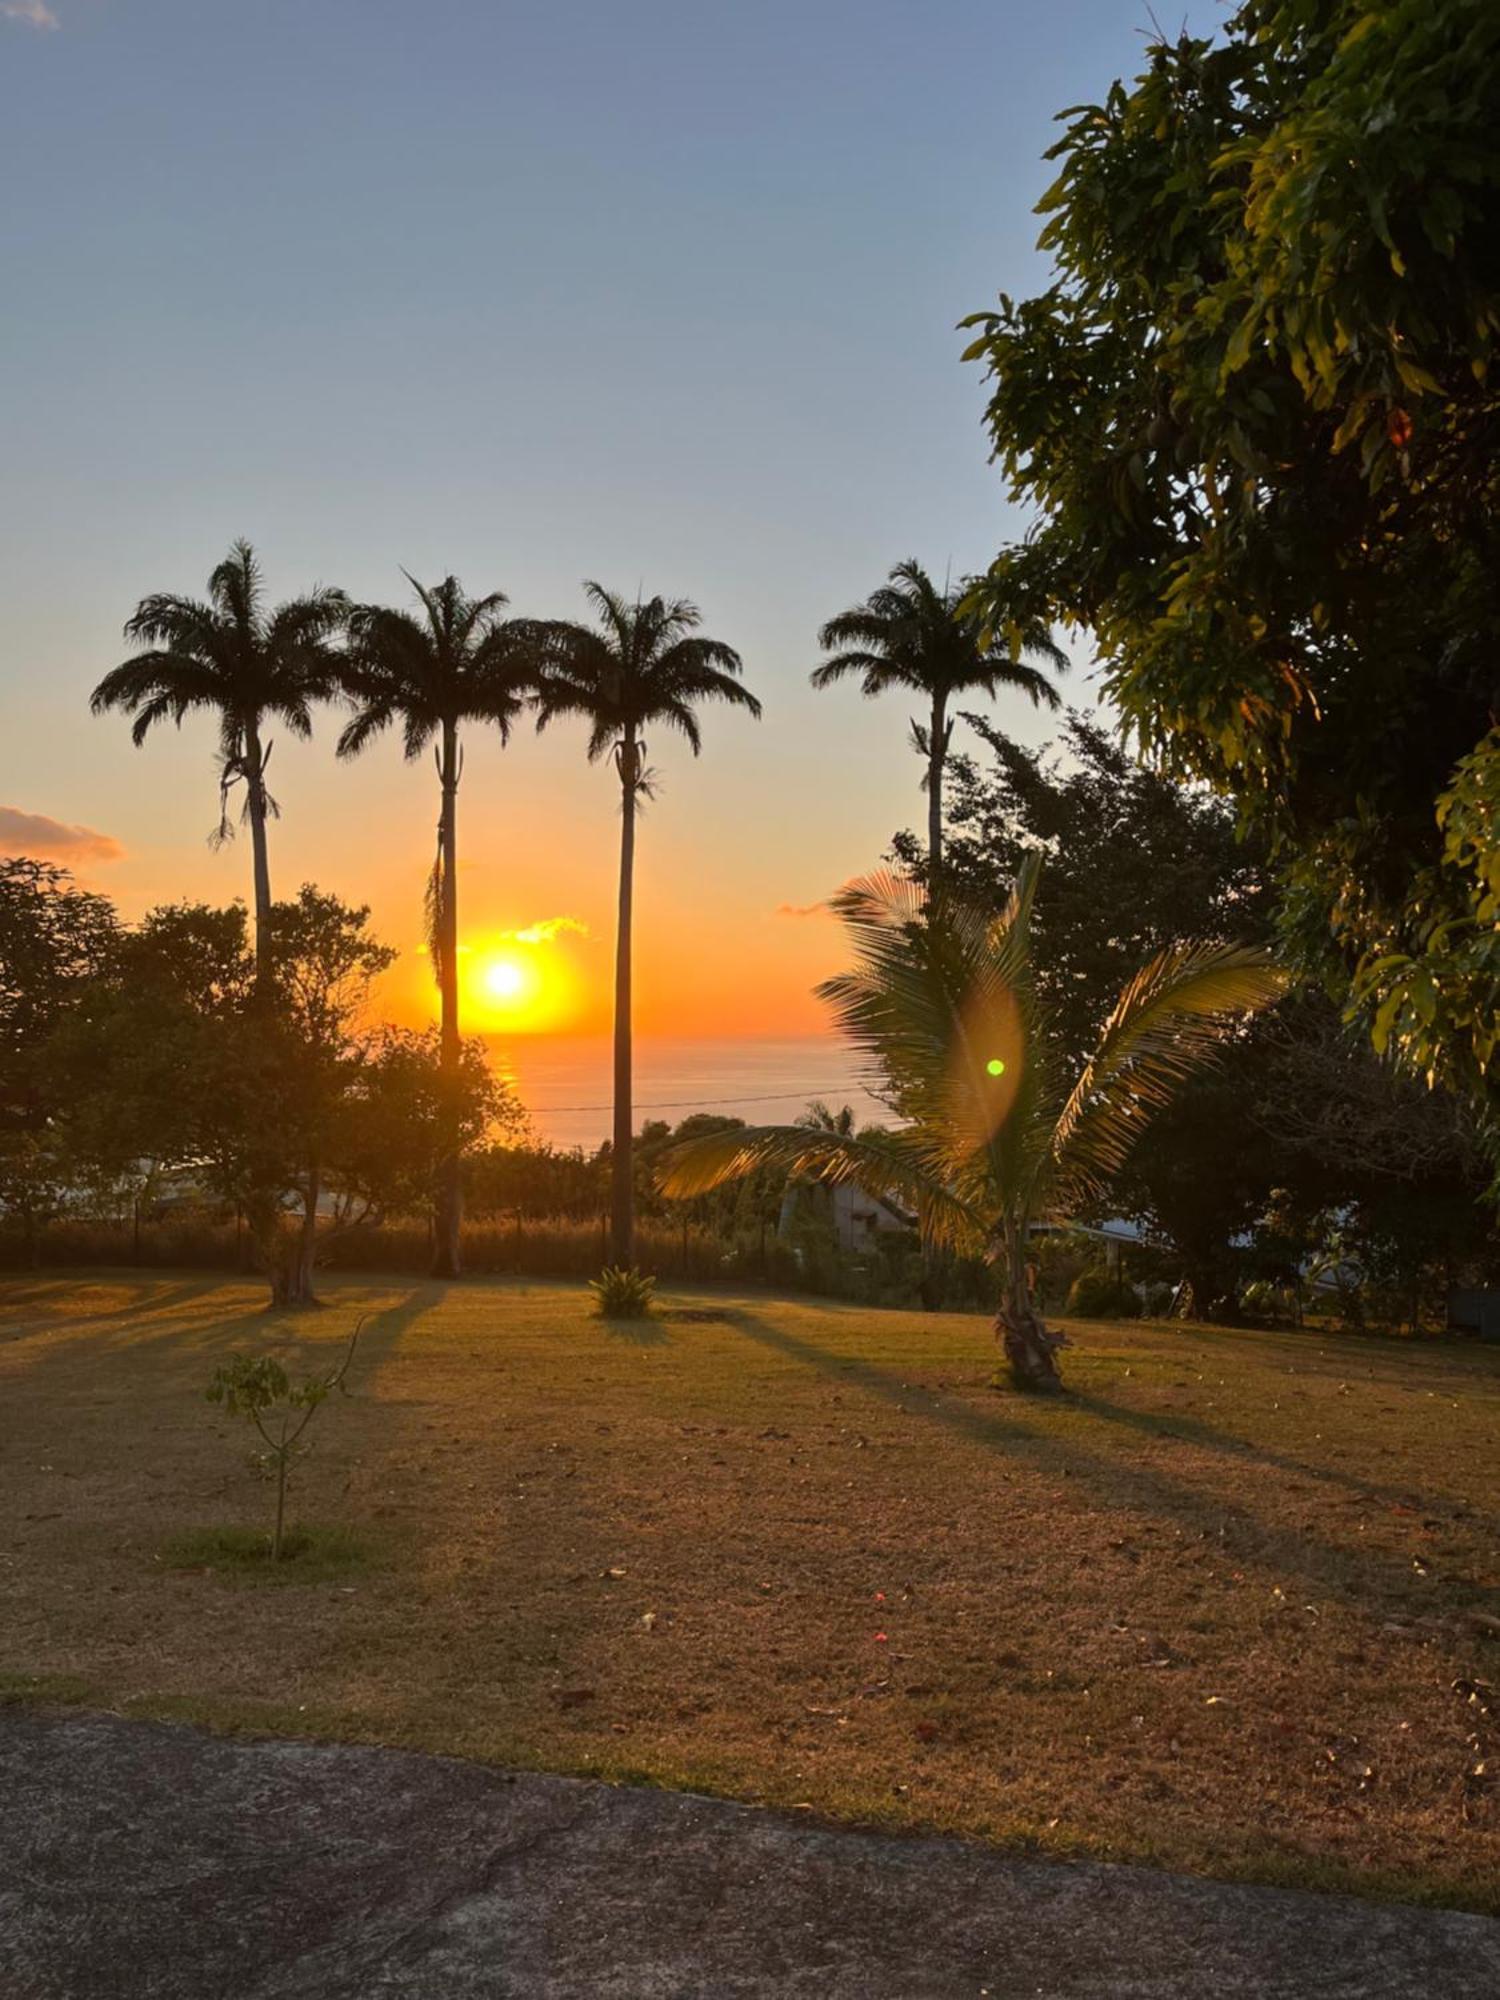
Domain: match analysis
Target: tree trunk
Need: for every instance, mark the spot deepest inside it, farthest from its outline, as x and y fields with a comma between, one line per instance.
x=448, y=1207
x=937, y=752
x=255, y=785
x=622, y=1191
x=285, y=1250
x=1030, y=1348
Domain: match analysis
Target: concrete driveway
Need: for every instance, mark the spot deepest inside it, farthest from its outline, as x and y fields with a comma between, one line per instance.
x=140, y=1859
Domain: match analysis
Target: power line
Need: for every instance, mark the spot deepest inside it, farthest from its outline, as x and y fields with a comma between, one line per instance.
x=703, y=1103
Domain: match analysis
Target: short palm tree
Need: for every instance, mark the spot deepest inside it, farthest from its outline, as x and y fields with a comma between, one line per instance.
x=250, y=666
x=909, y=634
x=942, y=1003
x=460, y=661
x=644, y=665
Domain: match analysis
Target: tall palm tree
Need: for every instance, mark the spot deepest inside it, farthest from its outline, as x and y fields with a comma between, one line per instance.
x=909, y=634
x=643, y=665
x=458, y=662
x=250, y=666
x=943, y=1005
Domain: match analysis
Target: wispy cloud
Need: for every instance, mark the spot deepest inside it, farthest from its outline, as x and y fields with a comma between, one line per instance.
x=548, y=931
x=52, y=839
x=32, y=13
x=802, y=910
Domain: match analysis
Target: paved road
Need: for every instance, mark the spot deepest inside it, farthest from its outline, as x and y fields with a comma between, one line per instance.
x=140, y=1859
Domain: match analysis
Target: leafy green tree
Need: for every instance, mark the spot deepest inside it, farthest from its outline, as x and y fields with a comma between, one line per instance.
x=522, y=1177
x=1299, y=1112
x=1134, y=861
x=245, y=664
x=405, y=1108
x=1257, y=413
x=461, y=662
x=943, y=1003
x=56, y=940
x=644, y=666
x=913, y=636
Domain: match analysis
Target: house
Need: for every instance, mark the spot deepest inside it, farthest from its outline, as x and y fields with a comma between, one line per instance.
x=856, y=1217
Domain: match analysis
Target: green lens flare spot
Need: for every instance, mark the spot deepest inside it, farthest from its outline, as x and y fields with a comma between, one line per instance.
x=995, y=1066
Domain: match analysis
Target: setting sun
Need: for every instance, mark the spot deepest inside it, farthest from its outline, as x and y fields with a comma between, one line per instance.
x=505, y=979
x=517, y=982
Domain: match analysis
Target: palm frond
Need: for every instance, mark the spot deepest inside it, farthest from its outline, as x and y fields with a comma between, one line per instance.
x=432, y=916
x=893, y=1168
x=1170, y=1020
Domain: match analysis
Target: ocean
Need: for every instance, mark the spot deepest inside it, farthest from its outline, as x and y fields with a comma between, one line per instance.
x=565, y=1082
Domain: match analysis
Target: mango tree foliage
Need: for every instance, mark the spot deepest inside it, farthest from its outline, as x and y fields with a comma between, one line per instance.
x=1258, y=414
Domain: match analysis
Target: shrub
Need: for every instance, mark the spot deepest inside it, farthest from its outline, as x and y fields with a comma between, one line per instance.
x=1099, y=1295
x=623, y=1294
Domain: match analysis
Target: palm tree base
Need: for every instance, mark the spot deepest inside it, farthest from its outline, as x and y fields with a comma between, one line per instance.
x=1030, y=1351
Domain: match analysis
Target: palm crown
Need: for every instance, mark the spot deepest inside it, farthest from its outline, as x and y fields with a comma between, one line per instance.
x=229, y=655
x=942, y=1003
x=644, y=664
x=461, y=661
x=909, y=634
x=245, y=664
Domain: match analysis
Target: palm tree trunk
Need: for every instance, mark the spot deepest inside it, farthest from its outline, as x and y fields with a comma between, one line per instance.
x=622, y=1192
x=448, y=1210
x=1030, y=1349
x=937, y=751
x=255, y=784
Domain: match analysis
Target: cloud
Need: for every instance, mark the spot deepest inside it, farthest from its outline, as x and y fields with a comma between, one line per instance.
x=802, y=910
x=34, y=13
x=50, y=839
x=548, y=931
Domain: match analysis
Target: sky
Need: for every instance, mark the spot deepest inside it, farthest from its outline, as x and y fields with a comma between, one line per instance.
x=662, y=292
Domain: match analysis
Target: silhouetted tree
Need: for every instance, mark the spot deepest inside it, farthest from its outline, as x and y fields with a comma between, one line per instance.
x=909, y=634
x=460, y=662
x=645, y=664
x=247, y=665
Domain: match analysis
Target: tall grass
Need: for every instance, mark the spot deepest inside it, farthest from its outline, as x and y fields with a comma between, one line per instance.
x=540, y=1247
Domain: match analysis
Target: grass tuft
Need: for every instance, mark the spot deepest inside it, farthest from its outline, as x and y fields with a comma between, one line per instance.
x=308, y=1555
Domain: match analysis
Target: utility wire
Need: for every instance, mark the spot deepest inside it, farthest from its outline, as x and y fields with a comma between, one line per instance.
x=702, y=1103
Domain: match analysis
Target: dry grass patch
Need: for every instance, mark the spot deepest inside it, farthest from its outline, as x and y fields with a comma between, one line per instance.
x=1222, y=1608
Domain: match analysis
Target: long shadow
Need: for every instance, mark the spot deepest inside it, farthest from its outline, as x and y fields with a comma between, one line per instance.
x=1385, y=1359
x=1362, y=1579
x=164, y=1320
x=1192, y=1430
x=150, y=1295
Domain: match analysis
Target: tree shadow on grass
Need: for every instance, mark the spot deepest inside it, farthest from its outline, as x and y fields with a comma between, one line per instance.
x=1367, y=1581
x=166, y=1325
x=149, y=1295
x=1183, y=1429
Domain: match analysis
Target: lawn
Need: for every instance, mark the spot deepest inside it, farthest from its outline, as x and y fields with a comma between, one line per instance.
x=1223, y=1607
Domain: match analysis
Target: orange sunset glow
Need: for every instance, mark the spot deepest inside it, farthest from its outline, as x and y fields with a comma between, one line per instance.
x=518, y=982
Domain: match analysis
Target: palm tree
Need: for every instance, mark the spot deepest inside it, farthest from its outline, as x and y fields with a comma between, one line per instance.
x=943, y=1004
x=249, y=666
x=457, y=663
x=910, y=634
x=645, y=664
